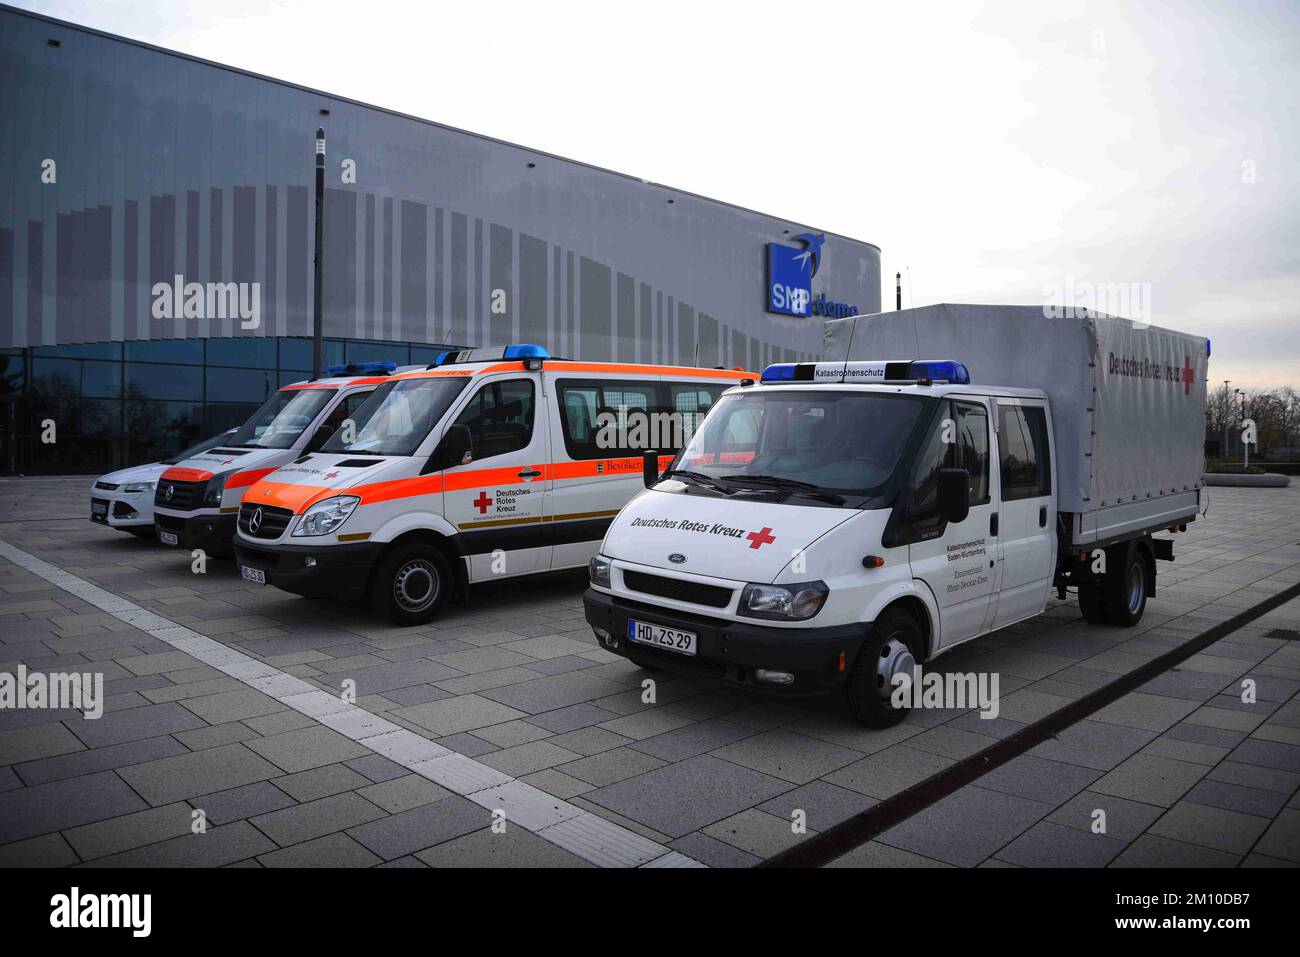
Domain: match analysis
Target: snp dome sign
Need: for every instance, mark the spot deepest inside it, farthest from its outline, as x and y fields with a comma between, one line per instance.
x=790, y=272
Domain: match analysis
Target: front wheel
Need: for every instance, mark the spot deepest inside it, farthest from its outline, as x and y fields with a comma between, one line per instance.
x=411, y=584
x=889, y=650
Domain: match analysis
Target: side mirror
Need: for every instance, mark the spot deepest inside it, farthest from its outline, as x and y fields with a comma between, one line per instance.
x=954, y=495
x=319, y=438
x=457, y=447
x=650, y=467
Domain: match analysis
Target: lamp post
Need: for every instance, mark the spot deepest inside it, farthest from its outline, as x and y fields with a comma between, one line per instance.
x=319, y=260
x=1227, y=413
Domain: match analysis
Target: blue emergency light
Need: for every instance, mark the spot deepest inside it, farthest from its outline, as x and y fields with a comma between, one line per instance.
x=517, y=350
x=360, y=368
x=870, y=371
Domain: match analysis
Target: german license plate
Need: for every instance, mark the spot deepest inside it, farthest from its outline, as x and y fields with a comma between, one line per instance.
x=252, y=574
x=669, y=639
x=168, y=538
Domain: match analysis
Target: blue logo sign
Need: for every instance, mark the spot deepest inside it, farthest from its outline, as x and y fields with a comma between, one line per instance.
x=790, y=272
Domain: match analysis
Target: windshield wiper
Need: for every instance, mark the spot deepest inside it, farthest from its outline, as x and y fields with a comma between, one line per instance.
x=701, y=479
x=777, y=481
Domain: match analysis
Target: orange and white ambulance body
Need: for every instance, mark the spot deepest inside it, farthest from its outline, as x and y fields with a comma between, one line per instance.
x=196, y=500
x=485, y=465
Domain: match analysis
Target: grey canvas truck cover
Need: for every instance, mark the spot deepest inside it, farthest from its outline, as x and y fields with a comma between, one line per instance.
x=1127, y=399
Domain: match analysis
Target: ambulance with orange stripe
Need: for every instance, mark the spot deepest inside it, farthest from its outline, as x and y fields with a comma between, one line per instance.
x=196, y=501
x=487, y=464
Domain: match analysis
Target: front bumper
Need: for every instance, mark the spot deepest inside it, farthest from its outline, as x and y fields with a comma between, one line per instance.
x=730, y=651
x=121, y=511
x=212, y=533
x=340, y=571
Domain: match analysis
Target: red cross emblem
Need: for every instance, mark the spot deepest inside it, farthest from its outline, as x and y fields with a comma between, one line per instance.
x=1187, y=375
x=330, y=475
x=482, y=503
x=759, y=539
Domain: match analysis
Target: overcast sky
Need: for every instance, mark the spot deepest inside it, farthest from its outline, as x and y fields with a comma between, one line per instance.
x=995, y=152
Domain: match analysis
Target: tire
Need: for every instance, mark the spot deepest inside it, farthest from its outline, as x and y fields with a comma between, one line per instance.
x=1124, y=595
x=1090, y=603
x=890, y=647
x=411, y=584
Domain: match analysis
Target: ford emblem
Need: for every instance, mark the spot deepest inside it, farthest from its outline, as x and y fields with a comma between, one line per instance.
x=677, y=558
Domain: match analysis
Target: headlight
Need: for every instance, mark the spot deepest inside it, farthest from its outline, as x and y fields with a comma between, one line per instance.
x=140, y=487
x=598, y=570
x=783, y=602
x=216, y=485
x=323, y=517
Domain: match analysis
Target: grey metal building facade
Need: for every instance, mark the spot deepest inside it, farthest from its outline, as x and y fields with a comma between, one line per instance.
x=125, y=166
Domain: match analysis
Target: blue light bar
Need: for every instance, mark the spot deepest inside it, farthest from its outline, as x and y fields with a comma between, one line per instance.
x=525, y=350
x=359, y=368
x=518, y=350
x=936, y=370
x=780, y=372
x=870, y=371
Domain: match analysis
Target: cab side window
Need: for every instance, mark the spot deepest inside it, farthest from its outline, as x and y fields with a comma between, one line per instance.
x=500, y=417
x=689, y=403
x=971, y=449
x=1024, y=452
x=346, y=409
x=960, y=439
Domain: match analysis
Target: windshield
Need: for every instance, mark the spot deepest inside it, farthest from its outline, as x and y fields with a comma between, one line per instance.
x=278, y=423
x=199, y=447
x=829, y=443
x=397, y=416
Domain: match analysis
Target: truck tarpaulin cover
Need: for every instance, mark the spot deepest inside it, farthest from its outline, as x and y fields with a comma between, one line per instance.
x=1128, y=400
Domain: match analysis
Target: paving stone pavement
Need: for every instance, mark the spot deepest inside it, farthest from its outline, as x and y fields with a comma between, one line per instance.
x=1185, y=771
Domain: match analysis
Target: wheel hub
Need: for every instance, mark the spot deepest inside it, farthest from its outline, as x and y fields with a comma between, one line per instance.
x=1137, y=587
x=895, y=658
x=416, y=585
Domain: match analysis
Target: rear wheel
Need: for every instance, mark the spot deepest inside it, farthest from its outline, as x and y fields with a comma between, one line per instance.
x=889, y=650
x=1125, y=593
x=1091, y=605
x=411, y=584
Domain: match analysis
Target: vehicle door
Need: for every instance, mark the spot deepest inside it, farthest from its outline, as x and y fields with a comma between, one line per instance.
x=957, y=560
x=1026, y=512
x=496, y=499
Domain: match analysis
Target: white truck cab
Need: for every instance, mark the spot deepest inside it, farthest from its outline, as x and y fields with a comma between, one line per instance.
x=487, y=464
x=196, y=499
x=839, y=522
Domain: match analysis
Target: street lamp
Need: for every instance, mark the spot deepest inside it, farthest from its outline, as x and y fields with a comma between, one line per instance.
x=319, y=262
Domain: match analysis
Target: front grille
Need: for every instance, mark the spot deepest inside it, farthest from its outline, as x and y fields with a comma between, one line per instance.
x=697, y=593
x=184, y=497
x=107, y=486
x=270, y=524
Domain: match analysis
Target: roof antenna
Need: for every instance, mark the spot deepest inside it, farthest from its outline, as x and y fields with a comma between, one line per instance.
x=844, y=373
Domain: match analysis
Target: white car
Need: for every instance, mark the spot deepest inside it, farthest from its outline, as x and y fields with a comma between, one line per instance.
x=124, y=499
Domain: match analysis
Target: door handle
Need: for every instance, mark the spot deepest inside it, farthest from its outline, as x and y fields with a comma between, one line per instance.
x=1042, y=517
x=993, y=524
x=529, y=472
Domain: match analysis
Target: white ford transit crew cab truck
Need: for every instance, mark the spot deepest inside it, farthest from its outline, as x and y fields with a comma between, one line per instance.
x=843, y=521
x=488, y=464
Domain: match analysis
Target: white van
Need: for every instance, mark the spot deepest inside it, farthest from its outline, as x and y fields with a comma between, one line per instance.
x=197, y=498
x=487, y=464
x=839, y=522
